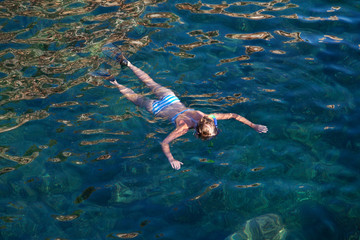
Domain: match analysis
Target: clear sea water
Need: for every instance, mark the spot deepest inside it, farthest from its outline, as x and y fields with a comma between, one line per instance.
x=79, y=161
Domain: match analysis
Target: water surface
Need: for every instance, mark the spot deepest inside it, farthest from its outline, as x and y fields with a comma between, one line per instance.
x=78, y=161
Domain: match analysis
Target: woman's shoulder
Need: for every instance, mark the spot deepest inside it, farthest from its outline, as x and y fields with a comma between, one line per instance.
x=193, y=115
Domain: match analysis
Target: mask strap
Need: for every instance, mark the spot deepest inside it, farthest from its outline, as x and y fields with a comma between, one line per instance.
x=213, y=117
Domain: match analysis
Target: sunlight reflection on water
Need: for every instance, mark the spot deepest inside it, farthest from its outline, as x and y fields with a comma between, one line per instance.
x=77, y=161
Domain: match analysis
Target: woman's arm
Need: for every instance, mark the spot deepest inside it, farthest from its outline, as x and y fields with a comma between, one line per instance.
x=257, y=127
x=179, y=131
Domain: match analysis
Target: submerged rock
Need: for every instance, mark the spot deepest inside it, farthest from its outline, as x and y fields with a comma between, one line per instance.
x=265, y=227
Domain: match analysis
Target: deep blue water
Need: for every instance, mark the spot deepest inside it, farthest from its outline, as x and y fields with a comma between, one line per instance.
x=79, y=161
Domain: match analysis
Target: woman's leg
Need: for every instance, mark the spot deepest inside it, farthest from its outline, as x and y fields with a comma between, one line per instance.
x=156, y=88
x=137, y=99
x=113, y=52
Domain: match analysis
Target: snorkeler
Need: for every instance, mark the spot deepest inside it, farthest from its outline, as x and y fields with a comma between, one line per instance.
x=169, y=106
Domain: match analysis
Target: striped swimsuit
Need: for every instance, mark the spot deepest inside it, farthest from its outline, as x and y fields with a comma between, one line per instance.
x=166, y=101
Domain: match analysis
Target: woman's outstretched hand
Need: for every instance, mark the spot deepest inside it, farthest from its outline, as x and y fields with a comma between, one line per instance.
x=260, y=128
x=114, y=82
x=176, y=164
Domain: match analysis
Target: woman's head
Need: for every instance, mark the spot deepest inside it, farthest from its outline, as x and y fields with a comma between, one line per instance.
x=207, y=127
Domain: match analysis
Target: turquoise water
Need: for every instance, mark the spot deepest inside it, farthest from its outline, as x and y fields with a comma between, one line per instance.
x=78, y=161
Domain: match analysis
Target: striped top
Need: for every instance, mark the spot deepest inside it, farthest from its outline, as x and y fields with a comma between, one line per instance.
x=163, y=103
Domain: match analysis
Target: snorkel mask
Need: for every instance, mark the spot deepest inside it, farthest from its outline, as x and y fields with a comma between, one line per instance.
x=215, y=120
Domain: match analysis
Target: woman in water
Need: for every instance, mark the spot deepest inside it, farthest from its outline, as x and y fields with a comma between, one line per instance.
x=169, y=106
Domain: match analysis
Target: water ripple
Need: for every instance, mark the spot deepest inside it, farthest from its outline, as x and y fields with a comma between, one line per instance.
x=76, y=156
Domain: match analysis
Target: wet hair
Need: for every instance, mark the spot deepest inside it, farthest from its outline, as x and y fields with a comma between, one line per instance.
x=207, y=127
